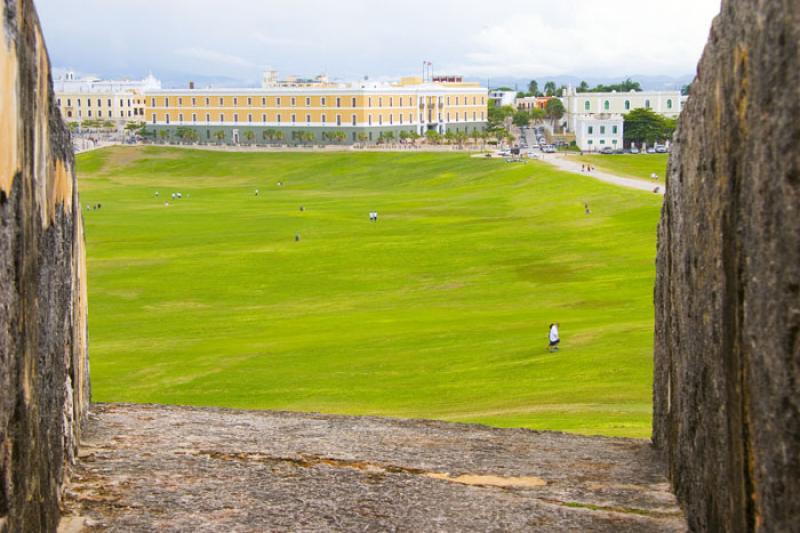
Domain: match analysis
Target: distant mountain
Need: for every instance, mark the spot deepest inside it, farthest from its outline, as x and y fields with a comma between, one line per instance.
x=649, y=83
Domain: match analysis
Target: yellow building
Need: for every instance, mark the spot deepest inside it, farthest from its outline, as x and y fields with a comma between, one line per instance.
x=317, y=110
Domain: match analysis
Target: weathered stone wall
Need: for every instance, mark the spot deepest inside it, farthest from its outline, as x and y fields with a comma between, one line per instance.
x=44, y=387
x=727, y=376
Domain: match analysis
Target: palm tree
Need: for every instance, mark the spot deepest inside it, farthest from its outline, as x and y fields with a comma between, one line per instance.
x=340, y=136
x=362, y=137
x=279, y=135
x=220, y=135
x=249, y=135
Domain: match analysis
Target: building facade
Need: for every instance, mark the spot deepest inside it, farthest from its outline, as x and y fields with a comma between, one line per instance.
x=529, y=103
x=593, y=132
x=311, y=111
x=502, y=98
x=118, y=101
x=577, y=105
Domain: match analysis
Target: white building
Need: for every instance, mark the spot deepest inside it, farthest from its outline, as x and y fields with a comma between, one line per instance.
x=666, y=103
x=502, y=98
x=118, y=101
x=593, y=132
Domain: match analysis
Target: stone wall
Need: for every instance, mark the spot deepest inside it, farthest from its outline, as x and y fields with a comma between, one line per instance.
x=727, y=375
x=44, y=384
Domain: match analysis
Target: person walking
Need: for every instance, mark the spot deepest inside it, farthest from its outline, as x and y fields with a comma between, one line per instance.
x=554, y=340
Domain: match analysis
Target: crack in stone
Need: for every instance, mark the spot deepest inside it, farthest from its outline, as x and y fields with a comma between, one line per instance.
x=310, y=461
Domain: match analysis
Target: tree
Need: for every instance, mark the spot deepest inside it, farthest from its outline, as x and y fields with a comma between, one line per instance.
x=537, y=115
x=268, y=134
x=550, y=88
x=433, y=137
x=647, y=126
x=554, y=110
x=362, y=137
x=339, y=136
x=622, y=87
x=220, y=135
x=279, y=135
x=533, y=88
x=497, y=115
x=449, y=136
x=249, y=135
x=163, y=134
x=521, y=119
x=583, y=87
x=686, y=89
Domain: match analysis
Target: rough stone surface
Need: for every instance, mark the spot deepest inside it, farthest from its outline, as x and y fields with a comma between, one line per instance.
x=158, y=468
x=727, y=376
x=43, y=363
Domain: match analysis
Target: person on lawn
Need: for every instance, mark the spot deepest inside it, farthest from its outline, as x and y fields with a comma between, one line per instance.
x=554, y=340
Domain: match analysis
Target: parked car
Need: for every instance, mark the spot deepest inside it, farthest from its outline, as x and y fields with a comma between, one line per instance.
x=634, y=150
x=607, y=150
x=661, y=149
x=651, y=150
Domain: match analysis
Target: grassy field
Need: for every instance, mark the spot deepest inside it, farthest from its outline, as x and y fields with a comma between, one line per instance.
x=438, y=310
x=639, y=166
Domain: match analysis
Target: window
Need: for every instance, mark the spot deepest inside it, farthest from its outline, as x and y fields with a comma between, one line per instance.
x=587, y=105
x=90, y=114
x=338, y=120
x=354, y=102
x=401, y=118
x=264, y=118
x=369, y=120
x=294, y=101
x=483, y=100
x=166, y=102
x=602, y=130
x=647, y=104
x=369, y=102
x=614, y=130
x=180, y=102
x=308, y=119
x=222, y=117
x=99, y=103
x=410, y=118
x=380, y=101
x=308, y=102
x=279, y=118
x=591, y=141
x=264, y=101
x=221, y=102
x=69, y=114
x=58, y=101
x=391, y=101
x=194, y=117
x=89, y=102
x=324, y=118
x=236, y=118
x=474, y=100
x=448, y=116
x=669, y=104
x=391, y=119
x=100, y=114
x=474, y=116
x=278, y=101
x=627, y=105
x=457, y=102
x=208, y=117
x=401, y=102
x=591, y=130
x=154, y=118
x=380, y=120
x=250, y=118
x=602, y=141
x=606, y=105
x=249, y=101
x=294, y=118
x=354, y=120
x=208, y=101
x=235, y=101
x=69, y=102
x=194, y=102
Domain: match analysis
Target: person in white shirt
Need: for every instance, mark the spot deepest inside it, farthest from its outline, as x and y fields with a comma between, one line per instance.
x=554, y=340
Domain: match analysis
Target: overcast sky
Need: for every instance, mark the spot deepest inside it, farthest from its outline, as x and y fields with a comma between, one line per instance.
x=348, y=39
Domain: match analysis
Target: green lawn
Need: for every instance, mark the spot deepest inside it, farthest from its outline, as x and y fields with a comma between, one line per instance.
x=438, y=310
x=639, y=166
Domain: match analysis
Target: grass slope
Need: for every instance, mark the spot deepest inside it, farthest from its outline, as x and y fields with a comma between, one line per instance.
x=440, y=310
x=639, y=166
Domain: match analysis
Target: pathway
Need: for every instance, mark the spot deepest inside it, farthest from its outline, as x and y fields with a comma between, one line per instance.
x=566, y=164
x=158, y=468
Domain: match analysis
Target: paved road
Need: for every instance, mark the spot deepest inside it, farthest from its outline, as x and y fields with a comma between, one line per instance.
x=161, y=468
x=563, y=163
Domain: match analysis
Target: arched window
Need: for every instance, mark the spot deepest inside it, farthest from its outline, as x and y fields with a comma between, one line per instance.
x=627, y=105
x=587, y=105
x=669, y=104
x=606, y=105
x=647, y=104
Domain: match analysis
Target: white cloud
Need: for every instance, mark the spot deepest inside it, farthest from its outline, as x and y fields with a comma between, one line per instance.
x=212, y=56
